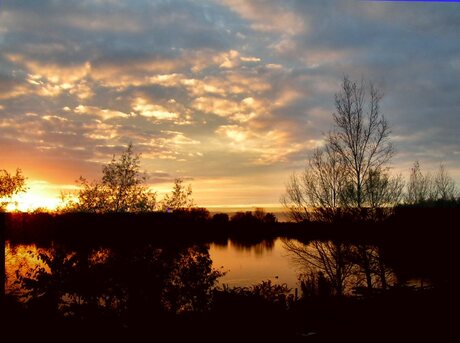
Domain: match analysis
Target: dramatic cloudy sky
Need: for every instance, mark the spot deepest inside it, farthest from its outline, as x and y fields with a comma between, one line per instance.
x=232, y=95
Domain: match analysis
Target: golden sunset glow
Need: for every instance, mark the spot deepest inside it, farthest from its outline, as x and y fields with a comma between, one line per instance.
x=231, y=96
x=230, y=170
x=40, y=195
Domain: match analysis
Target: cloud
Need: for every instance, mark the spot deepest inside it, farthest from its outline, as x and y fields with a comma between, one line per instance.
x=268, y=16
x=266, y=147
x=239, y=111
x=104, y=114
x=146, y=109
x=219, y=89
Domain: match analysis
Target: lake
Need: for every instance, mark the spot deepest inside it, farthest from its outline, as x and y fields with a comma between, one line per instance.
x=249, y=265
x=243, y=265
x=230, y=287
x=211, y=281
x=341, y=267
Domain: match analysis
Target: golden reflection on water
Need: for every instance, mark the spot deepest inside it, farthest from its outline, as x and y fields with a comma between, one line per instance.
x=249, y=265
x=24, y=259
x=245, y=265
x=20, y=260
x=99, y=256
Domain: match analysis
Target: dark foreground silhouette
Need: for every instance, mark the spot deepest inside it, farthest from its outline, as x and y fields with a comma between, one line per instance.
x=125, y=278
x=168, y=294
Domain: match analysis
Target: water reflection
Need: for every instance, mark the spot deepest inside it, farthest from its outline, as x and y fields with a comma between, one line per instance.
x=259, y=248
x=20, y=260
x=86, y=282
x=181, y=291
x=338, y=268
x=314, y=267
x=246, y=265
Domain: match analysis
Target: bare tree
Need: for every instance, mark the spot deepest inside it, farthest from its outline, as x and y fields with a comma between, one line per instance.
x=381, y=189
x=419, y=186
x=444, y=185
x=360, y=136
x=426, y=187
x=317, y=192
x=294, y=200
x=350, y=170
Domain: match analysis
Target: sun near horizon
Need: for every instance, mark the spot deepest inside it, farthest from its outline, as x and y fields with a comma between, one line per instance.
x=230, y=96
x=44, y=196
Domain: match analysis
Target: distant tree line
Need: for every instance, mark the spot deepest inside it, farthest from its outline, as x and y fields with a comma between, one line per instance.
x=427, y=188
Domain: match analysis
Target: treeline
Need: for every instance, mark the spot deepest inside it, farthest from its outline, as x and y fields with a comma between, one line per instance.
x=192, y=225
x=198, y=225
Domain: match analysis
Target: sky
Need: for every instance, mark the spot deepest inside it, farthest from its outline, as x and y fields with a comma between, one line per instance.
x=231, y=95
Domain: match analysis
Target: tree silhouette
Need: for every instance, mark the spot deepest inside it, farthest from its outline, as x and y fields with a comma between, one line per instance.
x=316, y=193
x=190, y=282
x=10, y=185
x=381, y=189
x=350, y=170
x=426, y=187
x=360, y=135
x=444, y=185
x=180, y=197
x=121, y=189
x=419, y=188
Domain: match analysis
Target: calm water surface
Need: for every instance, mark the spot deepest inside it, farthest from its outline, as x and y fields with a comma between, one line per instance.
x=243, y=265
x=249, y=265
x=278, y=261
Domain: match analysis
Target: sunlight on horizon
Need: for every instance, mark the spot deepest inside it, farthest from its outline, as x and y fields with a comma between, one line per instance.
x=233, y=98
x=39, y=195
x=29, y=202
